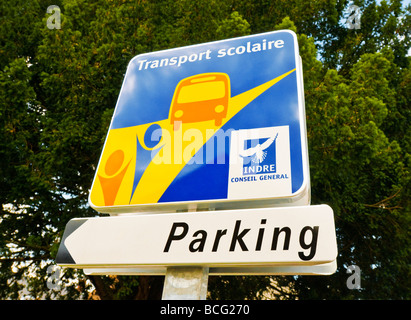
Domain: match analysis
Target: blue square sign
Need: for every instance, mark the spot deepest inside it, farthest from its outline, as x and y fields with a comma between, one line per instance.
x=259, y=156
x=211, y=126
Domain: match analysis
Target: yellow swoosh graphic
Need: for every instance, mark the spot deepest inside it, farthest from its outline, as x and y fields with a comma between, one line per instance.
x=178, y=146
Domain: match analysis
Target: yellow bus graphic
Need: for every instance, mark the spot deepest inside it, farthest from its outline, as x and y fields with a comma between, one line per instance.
x=200, y=98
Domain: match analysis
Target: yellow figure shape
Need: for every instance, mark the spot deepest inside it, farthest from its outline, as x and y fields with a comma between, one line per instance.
x=111, y=185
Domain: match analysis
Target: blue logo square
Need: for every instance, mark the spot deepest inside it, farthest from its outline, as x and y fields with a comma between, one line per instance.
x=260, y=156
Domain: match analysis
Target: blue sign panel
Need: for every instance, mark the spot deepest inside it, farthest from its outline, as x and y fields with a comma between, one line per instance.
x=215, y=125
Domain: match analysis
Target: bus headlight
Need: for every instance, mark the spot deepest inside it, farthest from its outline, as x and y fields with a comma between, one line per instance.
x=219, y=108
x=178, y=114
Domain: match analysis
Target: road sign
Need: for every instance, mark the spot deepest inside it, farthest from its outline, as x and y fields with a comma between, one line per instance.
x=301, y=236
x=219, y=125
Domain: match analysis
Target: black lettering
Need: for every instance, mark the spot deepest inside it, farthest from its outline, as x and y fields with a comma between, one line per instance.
x=312, y=245
x=201, y=241
x=237, y=237
x=287, y=236
x=172, y=236
x=218, y=235
x=260, y=236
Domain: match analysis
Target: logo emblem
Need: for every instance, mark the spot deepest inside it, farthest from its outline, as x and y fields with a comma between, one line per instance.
x=259, y=156
x=259, y=163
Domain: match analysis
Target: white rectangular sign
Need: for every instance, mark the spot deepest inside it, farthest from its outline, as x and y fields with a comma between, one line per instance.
x=290, y=236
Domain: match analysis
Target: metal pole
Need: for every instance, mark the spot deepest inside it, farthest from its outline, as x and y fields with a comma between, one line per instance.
x=186, y=282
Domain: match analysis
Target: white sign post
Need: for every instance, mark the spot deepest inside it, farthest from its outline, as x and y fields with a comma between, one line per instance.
x=185, y=283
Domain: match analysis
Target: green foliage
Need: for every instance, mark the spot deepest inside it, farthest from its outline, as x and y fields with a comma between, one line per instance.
x=58, y=89
x=360, y=173
x=249, y=288
x=234, y=26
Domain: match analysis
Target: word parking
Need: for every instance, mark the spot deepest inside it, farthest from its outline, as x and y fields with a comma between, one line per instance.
x=236, y=238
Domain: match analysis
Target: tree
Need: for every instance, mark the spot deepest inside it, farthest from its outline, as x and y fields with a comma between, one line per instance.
x=361, y=173
x=58, y=89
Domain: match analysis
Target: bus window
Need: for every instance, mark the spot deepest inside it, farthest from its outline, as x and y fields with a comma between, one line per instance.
x=201, y=92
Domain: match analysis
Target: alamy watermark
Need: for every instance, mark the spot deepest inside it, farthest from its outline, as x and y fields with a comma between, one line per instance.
x=189, y=146
x=54, y=21
x=54, y=280
x=354, y=19
x=207, y=146
x=354, y=280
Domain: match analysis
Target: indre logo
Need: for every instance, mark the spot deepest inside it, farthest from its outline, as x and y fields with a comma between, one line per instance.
x=259, y=162
x=259, y=156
